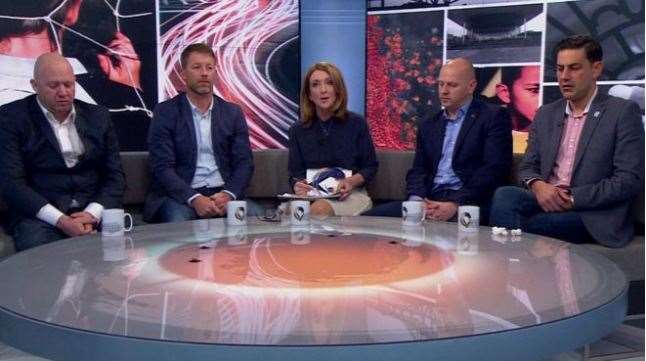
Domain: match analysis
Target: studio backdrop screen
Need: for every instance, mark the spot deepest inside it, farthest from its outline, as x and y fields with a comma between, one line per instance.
x=125, y=54
x=510, y=44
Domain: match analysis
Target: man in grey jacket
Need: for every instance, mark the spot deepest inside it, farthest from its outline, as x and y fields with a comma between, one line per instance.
x=584, y=163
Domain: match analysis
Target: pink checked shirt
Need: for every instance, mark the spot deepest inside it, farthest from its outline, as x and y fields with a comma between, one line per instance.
x=562, y=173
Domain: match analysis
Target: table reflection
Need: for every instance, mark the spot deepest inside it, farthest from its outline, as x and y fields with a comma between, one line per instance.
x=340, y=282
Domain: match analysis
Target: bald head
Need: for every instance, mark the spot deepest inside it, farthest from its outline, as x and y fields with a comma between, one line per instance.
x=456, y=84
x=463, y=66
x=49, y=62
x=54, y=82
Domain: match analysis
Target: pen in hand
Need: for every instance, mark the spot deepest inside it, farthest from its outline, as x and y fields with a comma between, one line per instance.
x=301, y=187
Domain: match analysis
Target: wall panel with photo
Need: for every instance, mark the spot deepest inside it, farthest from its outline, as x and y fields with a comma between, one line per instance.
x=256, y=44
x=116, y=53
x=112, y=51
x=403, y=63
x=510, y=43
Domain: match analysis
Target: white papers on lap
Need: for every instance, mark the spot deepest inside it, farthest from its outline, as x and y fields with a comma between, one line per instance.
x=329, y=184
x=311, y=173
x=308, y=197
x=326, y=180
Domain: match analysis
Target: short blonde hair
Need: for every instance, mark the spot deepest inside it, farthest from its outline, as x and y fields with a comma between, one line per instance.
x=199, y=48
x=340, y=107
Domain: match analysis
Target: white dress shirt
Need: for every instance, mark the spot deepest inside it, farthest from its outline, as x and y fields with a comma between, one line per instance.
x=207, y=173
x=71, y=148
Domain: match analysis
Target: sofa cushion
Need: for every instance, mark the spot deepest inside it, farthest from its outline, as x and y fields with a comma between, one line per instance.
x=135, y=166
x=270, y=174
x=390, y=181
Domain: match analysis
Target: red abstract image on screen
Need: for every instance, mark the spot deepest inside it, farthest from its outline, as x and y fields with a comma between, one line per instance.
x=403, y=62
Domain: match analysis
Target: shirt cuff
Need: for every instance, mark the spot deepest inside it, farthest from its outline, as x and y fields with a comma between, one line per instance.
x=49, y=214
x=233, y=196
x=190, y=199
x=529, y=182
x=95, y=209
x=415, y=198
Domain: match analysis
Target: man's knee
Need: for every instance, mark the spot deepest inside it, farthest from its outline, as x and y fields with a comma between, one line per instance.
x=506, y=194
x=29, y=233
x=390, y=209
x=504, y=205
x=172, y=211
x=321, y=208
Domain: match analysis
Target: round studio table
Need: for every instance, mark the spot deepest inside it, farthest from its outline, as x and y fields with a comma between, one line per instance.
x=339, y=289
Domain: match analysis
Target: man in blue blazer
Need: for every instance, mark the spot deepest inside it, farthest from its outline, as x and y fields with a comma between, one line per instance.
x=463, y=153
x=584, y=163
x=199, y=148
x=59, y=159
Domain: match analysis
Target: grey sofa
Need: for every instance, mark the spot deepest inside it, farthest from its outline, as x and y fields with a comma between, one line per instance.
x=270, y=179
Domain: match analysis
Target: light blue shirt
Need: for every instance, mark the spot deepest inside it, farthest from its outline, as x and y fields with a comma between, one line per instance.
x=445, y=177
x=207, y=173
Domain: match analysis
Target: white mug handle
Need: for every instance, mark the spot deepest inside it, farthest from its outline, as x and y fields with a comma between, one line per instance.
x=129, y=217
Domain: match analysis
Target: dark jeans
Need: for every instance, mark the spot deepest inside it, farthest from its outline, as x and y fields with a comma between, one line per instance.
x=31, y=232
x=515, y=207
x=173, y=211
x=390, y=209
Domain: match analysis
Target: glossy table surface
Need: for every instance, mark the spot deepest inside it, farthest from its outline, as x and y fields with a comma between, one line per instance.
x=341, y=281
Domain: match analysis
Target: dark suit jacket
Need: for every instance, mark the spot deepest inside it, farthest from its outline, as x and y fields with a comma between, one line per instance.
x=33, y=171
x=173, y=151
x=482, y=155
x=608, y=170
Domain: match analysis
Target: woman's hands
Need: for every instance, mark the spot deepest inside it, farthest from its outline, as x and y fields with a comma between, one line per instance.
x=347, y=185
x=301, y=188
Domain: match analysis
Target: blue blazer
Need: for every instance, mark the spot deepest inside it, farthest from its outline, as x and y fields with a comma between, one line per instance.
x=33, y=171
x=173, y=151
x=482, y=156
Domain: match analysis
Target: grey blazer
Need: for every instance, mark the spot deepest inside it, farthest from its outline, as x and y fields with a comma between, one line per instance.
x=608, y=168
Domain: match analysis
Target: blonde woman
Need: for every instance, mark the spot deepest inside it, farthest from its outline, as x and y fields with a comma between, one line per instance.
x=329, y=136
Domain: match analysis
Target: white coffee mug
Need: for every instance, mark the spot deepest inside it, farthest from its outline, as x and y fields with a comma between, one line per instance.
x=300, y=213
x=413, y=213
x=113, y=222
x=237, y=213
x=468, y=218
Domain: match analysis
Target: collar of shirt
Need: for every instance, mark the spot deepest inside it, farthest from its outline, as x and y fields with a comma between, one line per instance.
x=71, y=117
x=197, y=111
x=460, y=113
x=569, y=111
